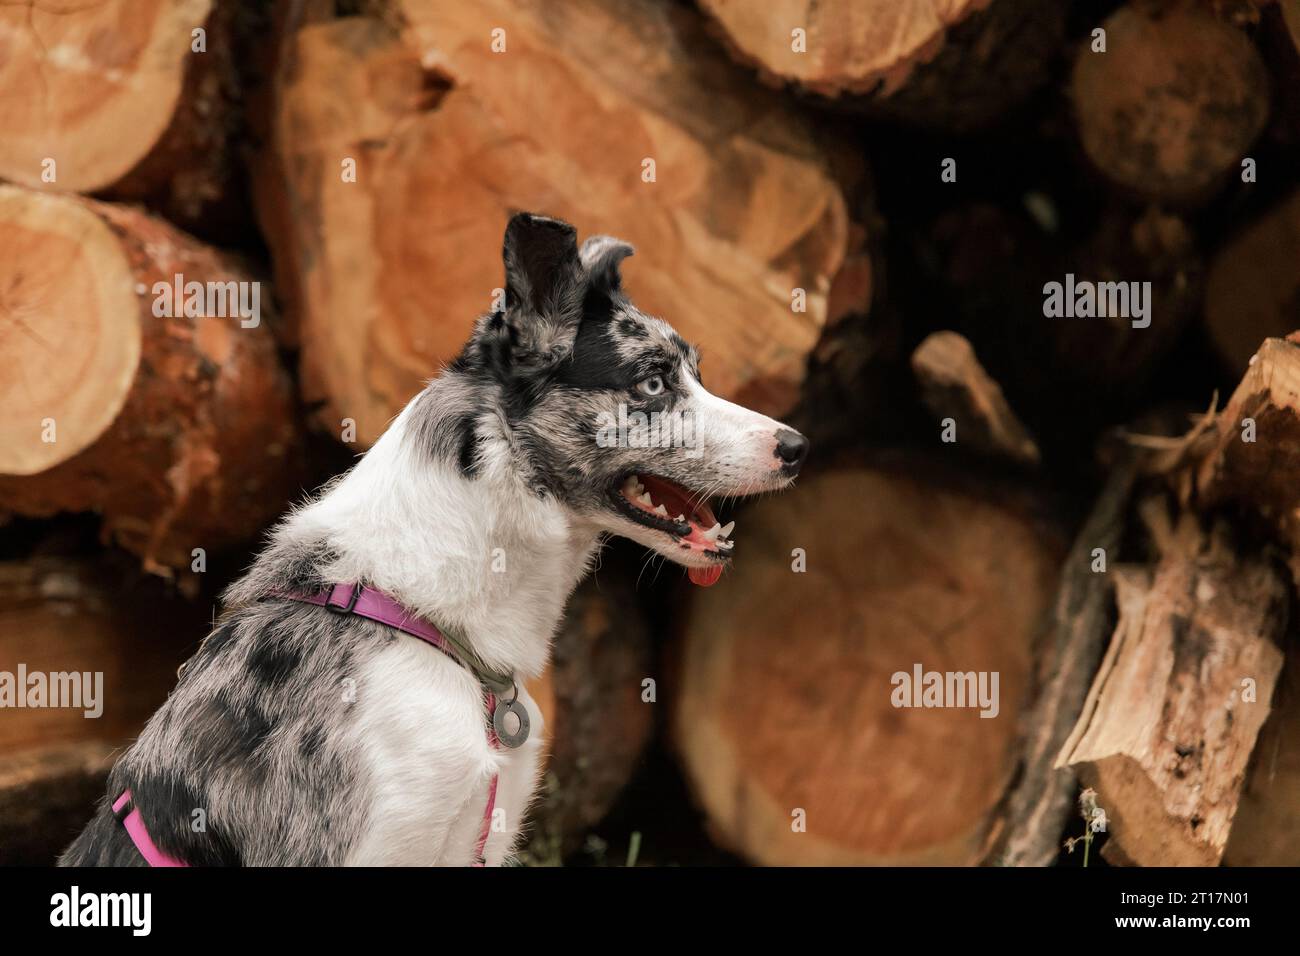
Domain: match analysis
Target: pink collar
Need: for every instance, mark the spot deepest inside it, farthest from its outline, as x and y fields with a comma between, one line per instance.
x=368, y=603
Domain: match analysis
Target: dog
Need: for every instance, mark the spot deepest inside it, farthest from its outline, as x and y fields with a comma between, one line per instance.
x=298, y=736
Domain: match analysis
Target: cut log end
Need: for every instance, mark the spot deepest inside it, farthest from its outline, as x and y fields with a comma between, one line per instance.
x=89, y=87
x=70, y=333
x=670, y=156
x=1172, y=103
x=787, y=712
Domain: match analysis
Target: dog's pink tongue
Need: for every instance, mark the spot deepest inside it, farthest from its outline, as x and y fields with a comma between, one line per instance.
x=705, y=577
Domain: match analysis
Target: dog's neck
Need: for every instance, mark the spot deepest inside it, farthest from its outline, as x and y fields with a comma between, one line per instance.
x=484, y=556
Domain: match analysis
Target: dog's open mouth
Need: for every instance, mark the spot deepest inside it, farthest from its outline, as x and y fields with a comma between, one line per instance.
x=668, y=507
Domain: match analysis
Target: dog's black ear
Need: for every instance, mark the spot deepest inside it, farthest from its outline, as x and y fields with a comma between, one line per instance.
x=544, y=286
x=542, y=264
x=601, y=256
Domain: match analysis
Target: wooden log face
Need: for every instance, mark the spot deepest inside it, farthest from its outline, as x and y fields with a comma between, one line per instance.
x=1173, y=102
x=92, y=86
x=397, y=265
x=787, y=700
x=66, y=263
x=850, y=47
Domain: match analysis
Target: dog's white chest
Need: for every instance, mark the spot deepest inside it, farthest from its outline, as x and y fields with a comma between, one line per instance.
x=421, y=732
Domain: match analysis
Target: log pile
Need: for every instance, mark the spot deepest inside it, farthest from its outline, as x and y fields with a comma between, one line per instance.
x=235, y=241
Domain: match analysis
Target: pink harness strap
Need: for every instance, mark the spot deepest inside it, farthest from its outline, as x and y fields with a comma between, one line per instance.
x=134, y=824
x=377, y=606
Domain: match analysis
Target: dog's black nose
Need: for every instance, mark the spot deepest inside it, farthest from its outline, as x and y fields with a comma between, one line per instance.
x=791, y=448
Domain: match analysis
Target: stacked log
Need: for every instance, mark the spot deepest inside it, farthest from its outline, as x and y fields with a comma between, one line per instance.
x=138, y=101
x=400, y=153
x=788, y=717
x=144, y=384
x=951, y=65
x=1172, y=103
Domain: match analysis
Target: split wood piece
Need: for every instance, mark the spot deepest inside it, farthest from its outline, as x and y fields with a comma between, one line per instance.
x=950, y=63
x=955, y=385
x=785, y=715
x=1253, y=289
x=391, y=270
x=46, y=796
x=598, y=723
x=1041, y=801
x=1253, y=455
x=1173, y=104
x=116, y=95
x=180, y=431
x=1174, y=712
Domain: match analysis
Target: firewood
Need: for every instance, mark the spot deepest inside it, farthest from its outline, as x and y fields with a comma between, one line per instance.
x=179, y=430
x=952, y=64
x=598, y=722
x=1172, y=104
x=955, y=385
x=389, y=271
x=123, y=97
x=1253, y=285
x=1250, y=452
x=1179, y=700
x=785, y=716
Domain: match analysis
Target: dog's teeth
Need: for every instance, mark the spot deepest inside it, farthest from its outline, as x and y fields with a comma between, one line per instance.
x=680, y=518
x=645, y=499
x=726, y=529
x=726, y=545
x=712, y=533
x=661, y=510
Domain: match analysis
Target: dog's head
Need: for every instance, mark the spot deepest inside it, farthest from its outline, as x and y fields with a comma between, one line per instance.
x=605, y=404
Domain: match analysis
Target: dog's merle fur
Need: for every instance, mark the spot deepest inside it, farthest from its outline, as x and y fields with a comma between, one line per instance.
x=297, y=736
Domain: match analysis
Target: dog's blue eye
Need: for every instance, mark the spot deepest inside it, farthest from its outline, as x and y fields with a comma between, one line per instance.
x=652, y=386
